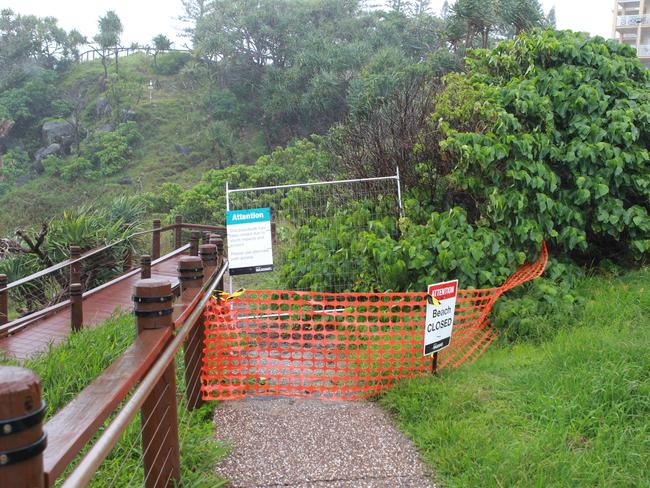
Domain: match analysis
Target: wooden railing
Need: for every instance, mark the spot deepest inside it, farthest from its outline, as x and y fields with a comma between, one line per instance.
x=93, y=54
x=62, y=284
x=163, y=327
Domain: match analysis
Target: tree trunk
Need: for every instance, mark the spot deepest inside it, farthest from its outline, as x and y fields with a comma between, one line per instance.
x=105, y=66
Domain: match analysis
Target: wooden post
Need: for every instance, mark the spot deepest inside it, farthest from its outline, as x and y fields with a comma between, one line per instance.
x=194, y=243
x=22, y=440
x=145, y=267
x=75, y=268
x=4, y=300
x=220, y=253
x=159, y=416
x=76, y=307
x=178, y=232
x=205, y=237
x=208, y=254
x=155, y=242
x=128, y=258
x=190, y=275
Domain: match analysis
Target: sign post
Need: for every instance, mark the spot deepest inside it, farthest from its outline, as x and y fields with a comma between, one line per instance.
x=439, y=319
x=250, y=245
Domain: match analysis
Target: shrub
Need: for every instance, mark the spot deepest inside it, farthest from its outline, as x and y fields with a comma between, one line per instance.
x=382, y=258
x=16, y=164
x=172, y=63
x=549, y=137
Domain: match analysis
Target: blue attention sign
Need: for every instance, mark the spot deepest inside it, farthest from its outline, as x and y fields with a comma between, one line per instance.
x=250, y=241
x=248, y=216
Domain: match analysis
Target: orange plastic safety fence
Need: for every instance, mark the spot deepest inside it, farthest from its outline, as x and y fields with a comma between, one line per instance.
x=336, y=346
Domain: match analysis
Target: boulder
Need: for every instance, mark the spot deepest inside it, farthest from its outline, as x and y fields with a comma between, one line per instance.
x=59, y=132
x=44, y=152
x=126, y=180
x=184, y=150
x=128, y=115
x=106, y=128
x=103, y=108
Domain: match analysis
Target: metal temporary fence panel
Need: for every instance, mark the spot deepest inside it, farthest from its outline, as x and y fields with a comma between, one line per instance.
x=336, y=346
x=295, y=205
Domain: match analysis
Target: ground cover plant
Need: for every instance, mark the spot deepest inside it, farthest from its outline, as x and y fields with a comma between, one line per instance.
x=68, y=368
x=571, y=412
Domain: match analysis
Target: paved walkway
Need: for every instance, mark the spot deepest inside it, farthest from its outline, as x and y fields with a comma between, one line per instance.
x=309, y=443
x=99, y=306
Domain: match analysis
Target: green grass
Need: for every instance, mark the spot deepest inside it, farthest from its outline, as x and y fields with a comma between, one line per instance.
x=68, y=368
x=571, y=412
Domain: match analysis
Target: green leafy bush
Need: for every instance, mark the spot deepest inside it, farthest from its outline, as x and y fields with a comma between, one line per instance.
x=68, y=169
x=15, y=164
x=549, y=138
x=399, y=256
x=104, y=154
x=301, y=161
x=171, y=63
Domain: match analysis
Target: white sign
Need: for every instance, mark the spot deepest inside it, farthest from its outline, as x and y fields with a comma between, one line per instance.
x=441, y=305
x=250, y=246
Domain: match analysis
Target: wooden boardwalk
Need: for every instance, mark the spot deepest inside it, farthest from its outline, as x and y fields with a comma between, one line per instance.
x=98, y=307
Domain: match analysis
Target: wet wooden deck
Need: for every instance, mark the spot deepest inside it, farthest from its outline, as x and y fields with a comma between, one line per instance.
x=97, y=307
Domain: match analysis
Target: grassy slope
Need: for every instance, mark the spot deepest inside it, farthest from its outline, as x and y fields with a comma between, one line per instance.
x=573, y=412
x=68, y=368
x=175, y=116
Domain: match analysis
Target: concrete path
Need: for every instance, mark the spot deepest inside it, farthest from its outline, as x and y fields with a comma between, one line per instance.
x=310, y=443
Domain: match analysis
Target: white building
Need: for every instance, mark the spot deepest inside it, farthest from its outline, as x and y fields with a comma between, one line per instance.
x=632, y=26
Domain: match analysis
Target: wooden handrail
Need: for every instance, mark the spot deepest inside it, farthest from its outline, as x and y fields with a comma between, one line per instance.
x=22, y=322
x=75, y=424
x=103, y=446
x=85, y=255
x=217, y=228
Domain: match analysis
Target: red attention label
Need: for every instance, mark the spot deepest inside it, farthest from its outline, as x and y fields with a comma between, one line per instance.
x=442, y=291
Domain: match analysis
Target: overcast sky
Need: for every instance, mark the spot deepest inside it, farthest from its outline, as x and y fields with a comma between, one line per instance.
x=144, y=19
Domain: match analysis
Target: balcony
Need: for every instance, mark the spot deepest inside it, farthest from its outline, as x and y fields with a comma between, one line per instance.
x=632, y=20
x=644, y=51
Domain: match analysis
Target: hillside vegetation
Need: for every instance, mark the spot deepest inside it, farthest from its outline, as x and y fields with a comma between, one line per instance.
x=151, y=159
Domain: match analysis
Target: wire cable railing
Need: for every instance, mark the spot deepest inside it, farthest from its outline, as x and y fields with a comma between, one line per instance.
x=32, y=297
x=85, y=471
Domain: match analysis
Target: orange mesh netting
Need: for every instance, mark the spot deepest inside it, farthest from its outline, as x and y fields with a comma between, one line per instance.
x=336, y=346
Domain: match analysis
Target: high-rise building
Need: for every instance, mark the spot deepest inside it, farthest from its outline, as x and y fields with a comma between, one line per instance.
x=632, y=26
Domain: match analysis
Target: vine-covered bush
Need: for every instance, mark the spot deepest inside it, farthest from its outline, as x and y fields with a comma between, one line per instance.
x=398, y=255
x=549, y=137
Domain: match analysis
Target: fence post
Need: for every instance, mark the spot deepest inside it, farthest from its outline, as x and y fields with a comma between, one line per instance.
x=76, y=312
x=21, y=418
x=205, y=237
x=75, y=268
x=178, y=232
x=194, y=243
x=220, y=252
x=145, y=267
x=128, y=258
x=155, y=241
x=208, y=254
x=4, y=300
x=190, y=275
x=159, y=416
